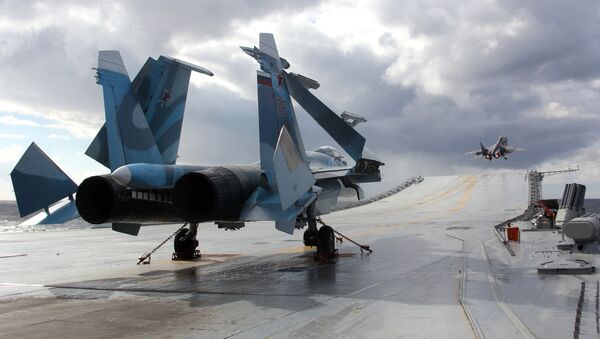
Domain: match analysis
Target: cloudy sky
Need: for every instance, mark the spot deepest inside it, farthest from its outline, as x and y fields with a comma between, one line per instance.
x=433, y=78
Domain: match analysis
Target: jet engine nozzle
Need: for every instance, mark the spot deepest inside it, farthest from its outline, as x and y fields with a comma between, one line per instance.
x=101, y=199
x=216, y=193
x=96, y=198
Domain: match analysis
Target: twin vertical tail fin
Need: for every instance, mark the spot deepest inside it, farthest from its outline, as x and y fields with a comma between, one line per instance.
x=39, y=183
x=143, y=125
x=282, y=155
x=161, y=87
x=128, y=136
x=484, y=150
x=159, y=92
x=275, y=109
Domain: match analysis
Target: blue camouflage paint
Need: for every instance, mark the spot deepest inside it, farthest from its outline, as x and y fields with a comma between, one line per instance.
x=128, y=134
x=165, y=117
x=275, y=110
x=98, y=148
x=161, y=88
x=152, y=176
x=38, y=182
x=350, y=140
x=61, y=215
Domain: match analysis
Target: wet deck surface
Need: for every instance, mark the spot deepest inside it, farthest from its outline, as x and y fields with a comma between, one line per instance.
x=258, y=282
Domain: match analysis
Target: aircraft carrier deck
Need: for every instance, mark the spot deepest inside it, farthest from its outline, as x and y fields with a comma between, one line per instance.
x=438, y=270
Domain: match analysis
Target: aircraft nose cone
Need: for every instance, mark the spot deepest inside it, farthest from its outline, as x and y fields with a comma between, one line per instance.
x=122, y=175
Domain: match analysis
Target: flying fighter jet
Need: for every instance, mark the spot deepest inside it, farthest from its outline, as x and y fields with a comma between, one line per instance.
x=139, y=144
x=497, y=150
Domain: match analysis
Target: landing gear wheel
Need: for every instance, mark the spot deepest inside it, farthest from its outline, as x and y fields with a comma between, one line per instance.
x=185, y=246
x=326, y=244
x=310, y=237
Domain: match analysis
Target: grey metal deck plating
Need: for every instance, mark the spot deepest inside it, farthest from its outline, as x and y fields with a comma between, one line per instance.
x=431, y=245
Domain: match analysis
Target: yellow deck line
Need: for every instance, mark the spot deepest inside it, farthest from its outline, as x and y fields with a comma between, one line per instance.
x=468, y=184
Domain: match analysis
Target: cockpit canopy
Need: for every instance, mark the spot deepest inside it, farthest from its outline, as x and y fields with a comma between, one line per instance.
x=335, y=158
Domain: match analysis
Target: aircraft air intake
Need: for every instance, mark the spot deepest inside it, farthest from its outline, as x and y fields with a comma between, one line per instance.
x=100, y=199
x=216, y=193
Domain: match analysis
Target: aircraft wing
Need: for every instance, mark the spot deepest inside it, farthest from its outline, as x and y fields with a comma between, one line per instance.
x=348, y=173
x=331, y=172
x=509, y=150
x=473, y=153
x=367, y=163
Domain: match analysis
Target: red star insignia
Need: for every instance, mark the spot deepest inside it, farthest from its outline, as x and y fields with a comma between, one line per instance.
x=166, y=96
x=279, y=80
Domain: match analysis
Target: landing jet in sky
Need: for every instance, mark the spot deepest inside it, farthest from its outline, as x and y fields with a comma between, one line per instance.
x=497, y=150
x=139, y=144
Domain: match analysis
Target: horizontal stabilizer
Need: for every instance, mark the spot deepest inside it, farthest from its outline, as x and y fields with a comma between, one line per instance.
x=59, y=213
x=131, y=229
x=292, y=173
x=38, y=182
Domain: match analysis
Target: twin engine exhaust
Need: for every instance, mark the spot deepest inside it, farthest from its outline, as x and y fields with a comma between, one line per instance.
x=216, y=193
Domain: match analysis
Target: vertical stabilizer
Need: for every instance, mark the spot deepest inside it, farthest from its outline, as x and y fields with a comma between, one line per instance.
x=275, y=109
x=129, y=138
x=282, y=155
x=161, y=88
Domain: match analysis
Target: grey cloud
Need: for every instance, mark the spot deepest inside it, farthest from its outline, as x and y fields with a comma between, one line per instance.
x=507, y=88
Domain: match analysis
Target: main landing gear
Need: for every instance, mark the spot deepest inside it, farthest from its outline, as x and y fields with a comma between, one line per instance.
x=323, y=238
x=186, y=244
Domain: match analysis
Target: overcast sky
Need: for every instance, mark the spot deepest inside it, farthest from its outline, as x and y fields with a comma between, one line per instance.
x=433, y=78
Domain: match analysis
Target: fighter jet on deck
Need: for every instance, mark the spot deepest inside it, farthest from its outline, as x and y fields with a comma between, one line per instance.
x=497, y=150
x=139, y=144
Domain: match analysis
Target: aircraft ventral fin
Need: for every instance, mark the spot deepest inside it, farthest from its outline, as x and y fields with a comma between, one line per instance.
x=131, y=229
x=292, y=174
